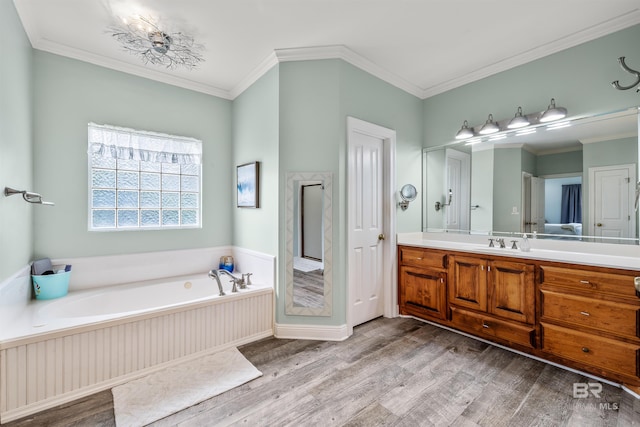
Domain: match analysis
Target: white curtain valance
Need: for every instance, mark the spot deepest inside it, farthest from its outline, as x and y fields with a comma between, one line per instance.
x=129, y=144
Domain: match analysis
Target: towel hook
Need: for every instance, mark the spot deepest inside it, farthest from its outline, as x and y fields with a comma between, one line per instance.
x=28, y=196
x=624, y=66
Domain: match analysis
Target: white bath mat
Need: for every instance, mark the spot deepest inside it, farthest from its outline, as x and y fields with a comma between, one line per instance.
x=170, y=390
x=306, y=265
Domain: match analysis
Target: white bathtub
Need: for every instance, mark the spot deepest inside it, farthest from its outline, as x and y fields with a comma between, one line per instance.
x=59, y=350
x=130, y=299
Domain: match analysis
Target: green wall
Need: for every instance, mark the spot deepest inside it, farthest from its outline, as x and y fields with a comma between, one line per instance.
x=16, y=139
x=316, y=97
x=578, y=78
x=559, y=163
x=507, y=171
x=255, y=118
x=71, y=94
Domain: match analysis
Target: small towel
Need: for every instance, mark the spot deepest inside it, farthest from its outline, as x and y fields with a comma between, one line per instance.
x=39, y=266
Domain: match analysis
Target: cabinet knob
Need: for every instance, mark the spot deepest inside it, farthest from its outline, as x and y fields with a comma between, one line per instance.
x=585, y=349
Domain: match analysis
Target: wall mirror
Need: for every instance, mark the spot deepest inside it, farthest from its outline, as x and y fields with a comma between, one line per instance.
x=308, y=260
x=572, y=180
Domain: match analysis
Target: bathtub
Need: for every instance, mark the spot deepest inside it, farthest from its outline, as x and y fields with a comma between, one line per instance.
x=59, y=350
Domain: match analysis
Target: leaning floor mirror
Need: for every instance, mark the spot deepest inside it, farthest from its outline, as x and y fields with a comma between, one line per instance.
x=308, y=244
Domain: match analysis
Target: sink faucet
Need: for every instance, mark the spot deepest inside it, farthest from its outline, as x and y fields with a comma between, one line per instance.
x=501, y=241
x=215, y=274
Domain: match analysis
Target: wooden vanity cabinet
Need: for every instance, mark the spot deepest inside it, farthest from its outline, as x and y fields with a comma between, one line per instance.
x=500, y=294
x=591, y=317
x=422, y=283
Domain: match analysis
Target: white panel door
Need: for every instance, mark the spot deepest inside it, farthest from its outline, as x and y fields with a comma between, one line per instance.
x=366, y=225
x=611, y=197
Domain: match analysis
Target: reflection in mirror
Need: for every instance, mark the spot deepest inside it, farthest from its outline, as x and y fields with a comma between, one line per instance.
x=308, y=244
x=571, y=180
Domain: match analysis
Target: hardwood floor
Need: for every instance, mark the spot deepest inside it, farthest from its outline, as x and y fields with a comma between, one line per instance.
x=396, y=372
x=308, y=288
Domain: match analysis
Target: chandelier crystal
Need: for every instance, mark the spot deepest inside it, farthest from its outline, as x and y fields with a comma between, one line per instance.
x=142, y=37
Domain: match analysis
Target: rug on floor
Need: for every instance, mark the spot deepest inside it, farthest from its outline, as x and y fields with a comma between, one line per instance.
x=306, y=264
x=155, y=396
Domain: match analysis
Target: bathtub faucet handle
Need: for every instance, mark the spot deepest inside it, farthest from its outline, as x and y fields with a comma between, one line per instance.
x=246, y=280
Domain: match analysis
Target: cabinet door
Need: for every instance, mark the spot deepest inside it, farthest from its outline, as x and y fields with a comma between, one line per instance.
x=468, y=282
x=511, y=290
x=422, y=292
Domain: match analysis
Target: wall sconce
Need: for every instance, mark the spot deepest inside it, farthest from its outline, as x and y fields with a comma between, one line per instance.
x=553, y=113
x=518, y=121
x=442, y=205
x=489, y=127
x=464, y=131
x=27, y=196
x=408, y=193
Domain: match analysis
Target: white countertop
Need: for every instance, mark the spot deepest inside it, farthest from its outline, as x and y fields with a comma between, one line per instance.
x=597, y=254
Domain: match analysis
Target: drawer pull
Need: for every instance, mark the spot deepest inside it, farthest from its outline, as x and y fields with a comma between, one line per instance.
x=585, y=349
x=584, y=313
x=484, y=325
x=418, y=259
x=586, y=282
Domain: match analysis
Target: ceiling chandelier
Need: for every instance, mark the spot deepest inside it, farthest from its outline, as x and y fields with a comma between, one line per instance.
x=142, y=37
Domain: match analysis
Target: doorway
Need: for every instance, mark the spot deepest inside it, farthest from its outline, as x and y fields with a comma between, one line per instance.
x=611, y=199
x=371, y=222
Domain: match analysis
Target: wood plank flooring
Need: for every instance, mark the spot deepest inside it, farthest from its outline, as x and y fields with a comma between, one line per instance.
x=395, y=372
x=308, y=288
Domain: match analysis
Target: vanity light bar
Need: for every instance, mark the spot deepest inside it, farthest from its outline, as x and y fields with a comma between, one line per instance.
x=559, y=125
x=526, y=132
x=498, y=137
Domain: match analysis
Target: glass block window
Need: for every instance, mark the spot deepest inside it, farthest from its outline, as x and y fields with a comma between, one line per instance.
x=143, y=180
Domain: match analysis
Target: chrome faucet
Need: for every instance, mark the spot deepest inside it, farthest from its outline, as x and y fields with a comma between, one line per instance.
x=501, y=241
x=215, y=274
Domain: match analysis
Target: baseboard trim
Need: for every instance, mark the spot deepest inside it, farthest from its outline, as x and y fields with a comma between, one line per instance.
x=311, y=332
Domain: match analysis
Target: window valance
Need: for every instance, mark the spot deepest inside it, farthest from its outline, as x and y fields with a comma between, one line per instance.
x=129, y=144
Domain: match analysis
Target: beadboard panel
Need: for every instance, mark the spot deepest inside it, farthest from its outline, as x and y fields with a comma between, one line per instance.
x=38, y=375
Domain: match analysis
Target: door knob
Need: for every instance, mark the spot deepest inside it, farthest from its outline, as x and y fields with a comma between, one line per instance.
x=380, y=236
x=599, y=224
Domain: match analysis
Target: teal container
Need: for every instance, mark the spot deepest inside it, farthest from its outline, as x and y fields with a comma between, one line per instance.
x=51, y=286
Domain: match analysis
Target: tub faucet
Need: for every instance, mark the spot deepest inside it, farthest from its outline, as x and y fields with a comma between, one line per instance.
x=215, y=274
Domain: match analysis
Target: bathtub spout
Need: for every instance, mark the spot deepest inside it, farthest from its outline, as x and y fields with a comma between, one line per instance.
x=213, y=274
x=236, y=281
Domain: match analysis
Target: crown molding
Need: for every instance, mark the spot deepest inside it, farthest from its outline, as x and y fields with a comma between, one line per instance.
x=592, y=33
x=254, y=75
x=81, y=55
x=328, y=52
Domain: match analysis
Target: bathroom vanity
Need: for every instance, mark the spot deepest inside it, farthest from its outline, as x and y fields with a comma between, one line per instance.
x=578, y=309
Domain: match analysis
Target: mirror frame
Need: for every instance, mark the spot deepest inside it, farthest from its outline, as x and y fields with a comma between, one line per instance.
x=327, y=307
x=635, y=110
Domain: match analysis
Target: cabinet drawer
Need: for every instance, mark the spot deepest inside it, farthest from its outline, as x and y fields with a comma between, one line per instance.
x=612, y=283
x=418, y=257
x=605, y=353
x=616, y=318
x=489, y=327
